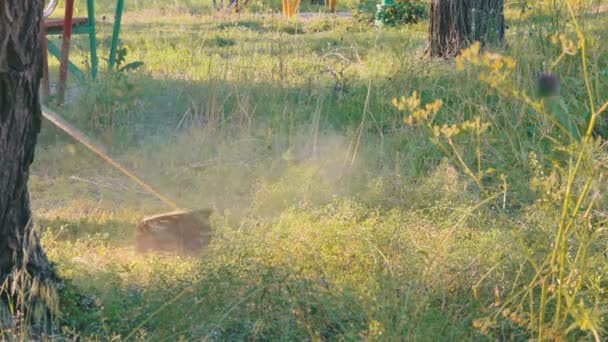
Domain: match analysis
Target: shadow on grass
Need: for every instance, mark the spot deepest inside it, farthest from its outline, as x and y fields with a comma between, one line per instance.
x=228, y=301
x=114, y=231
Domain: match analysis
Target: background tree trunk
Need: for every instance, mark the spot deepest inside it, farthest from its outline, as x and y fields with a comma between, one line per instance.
x=457, y=23
x=22, y=260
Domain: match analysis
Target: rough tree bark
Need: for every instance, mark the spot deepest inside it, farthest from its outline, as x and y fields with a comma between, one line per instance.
x=457, y=23
x=22, y=260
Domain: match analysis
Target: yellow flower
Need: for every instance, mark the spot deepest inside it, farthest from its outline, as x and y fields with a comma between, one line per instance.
x=414, y=101
x=510, y=62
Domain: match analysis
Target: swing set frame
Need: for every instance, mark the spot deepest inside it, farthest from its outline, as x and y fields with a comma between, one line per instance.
x=67, y=26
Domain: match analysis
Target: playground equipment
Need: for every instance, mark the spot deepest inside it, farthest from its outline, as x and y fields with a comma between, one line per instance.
x=291, y=6
x=332, y=6
x=80, y=25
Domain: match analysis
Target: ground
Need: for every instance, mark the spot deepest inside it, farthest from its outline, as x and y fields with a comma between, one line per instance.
x=333, y=219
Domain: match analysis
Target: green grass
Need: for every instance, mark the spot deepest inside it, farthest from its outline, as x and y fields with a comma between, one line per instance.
x=334, y=220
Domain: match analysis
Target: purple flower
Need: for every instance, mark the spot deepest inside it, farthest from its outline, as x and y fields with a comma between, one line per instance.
x=547, y=84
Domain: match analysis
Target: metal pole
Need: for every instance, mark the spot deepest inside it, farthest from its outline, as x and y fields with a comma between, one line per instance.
x=92, y=38
x=117, y=20
x=65, y=50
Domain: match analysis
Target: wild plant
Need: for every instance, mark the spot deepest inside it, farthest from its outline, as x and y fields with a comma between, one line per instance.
x=557, y=292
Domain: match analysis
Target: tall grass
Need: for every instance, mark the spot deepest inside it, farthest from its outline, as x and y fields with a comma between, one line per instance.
x=563, y=274
x=335, y=219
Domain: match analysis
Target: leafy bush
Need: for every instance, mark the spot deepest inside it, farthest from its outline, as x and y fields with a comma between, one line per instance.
x=397, y=13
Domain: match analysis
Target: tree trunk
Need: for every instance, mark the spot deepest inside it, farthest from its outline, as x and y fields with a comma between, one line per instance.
x=455, y=24
x=23, y=264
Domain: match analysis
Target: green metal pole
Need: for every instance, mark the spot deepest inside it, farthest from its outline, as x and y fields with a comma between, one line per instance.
x=92, y=38
x=118, y=18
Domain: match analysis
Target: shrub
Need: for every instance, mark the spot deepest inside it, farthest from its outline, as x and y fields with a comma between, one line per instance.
x=397, y=13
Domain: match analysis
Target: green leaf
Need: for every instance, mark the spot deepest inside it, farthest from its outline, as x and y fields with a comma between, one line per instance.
x=131, y=66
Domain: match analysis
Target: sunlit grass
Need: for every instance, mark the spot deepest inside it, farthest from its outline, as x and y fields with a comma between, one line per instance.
x=334, y=220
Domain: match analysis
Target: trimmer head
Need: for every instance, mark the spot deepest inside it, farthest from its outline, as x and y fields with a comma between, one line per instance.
x=182, y=231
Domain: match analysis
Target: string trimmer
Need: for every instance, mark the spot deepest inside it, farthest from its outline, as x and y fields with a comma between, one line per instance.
x=179, y=230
